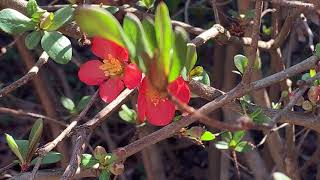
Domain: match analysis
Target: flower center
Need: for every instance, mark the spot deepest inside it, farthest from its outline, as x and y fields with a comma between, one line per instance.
x=112, y=66
x=154, y=96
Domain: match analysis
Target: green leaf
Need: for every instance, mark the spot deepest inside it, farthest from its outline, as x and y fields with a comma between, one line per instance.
x=32, y=39
x=14, y=147
x=191, y=57
x=61, y=17
x=13, y=22
x=50, y=158
x=47, y=21
x=243, y=147
x=83, y=103
x=207, y=136
x=127, y=114
x=305, y=76
x=147, y=3
x=99, y=22
x=164, y=38
x=312, y=72
x=32, y=7
x=23, y=147
x=148, y=26
x=203, y=78
x=67, y=103
x=222, y=145
x=241, y=62
x=261, y=119
x=112, y=9
x=317, y=50
x=104, y=175
x=57, y=46
x=226, y=136
x=179, y=53
x=88, y=161
x=280, y=176
x=134, y=30
x=238, y=135
x=34, y=138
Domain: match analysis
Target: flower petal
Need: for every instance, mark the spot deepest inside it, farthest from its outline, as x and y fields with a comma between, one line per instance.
x=142, y=107
x=132, y=76
x=180, y=89
x=90, y=73
x=160, y=114
x=102, y=47
x=143, y=86
x=110, y=89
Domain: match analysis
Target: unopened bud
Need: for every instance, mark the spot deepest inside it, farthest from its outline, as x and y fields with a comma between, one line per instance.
x=99, y=153
x=313, y=94
x=195, y=131
x=307, y=106
x=116, y=168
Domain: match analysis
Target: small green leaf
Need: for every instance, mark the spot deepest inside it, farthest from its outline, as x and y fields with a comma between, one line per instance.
x=67, y=103
x=164, y=38
x=127, y=114
x=83, y=103
x=238, y=135
x=104, y=175
x=32, y=7
x=222, y=145
x=13, y=22
x=312, y=72
x=47, y=21
x=112, y=9
x=99, y=22
x=148, y=26
x=191, y=57
x=317, y=50
x=147, y=3
x=23, y=147
x=14, y=147
x=61, y=17
x=305, y=76
x=32, y=39
x=57, y=46
x=226, y=136
x=241, y=62
x=88, y=161
x=280, y=176
x=50, y=158
x=203, y=78
x=34, y=138
x=37, y=15
x=207, y=136
x=179, y=53
x=243, y=147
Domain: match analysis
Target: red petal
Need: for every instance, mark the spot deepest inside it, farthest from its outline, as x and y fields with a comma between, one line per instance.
x=110, y=89
x=142, y=107
x=144, y=85
x=180, y=89
x=90, y=73
x=102, y=47
x=161, y=114
x=132, y=76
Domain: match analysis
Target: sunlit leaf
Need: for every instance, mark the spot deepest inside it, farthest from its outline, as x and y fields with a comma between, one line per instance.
x=243, y=147
x=14, y=147
x=222, y=145
x=148, y=26
x=238, y=135
x=67, y=103
x=61, y=17
x=127, y=114
x=241, y=62
x=32, y=7
x=191, y=57
x=207, y=136
x=14, y=22
x=88, y=161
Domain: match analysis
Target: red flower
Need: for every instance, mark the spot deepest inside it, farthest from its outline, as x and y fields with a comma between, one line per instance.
x=155, y=107
x=113, y=73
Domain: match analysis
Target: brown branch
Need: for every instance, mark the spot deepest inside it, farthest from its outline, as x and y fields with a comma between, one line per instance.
x=19, y=113
x=294, y=4
x=43, y=59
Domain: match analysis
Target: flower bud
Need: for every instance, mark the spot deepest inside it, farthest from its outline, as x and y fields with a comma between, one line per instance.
x=313, y=94
x=307, y=106
x=99, y=153
x=116, y=168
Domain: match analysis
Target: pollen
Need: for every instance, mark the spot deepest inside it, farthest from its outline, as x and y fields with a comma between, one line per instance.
x=112, y=66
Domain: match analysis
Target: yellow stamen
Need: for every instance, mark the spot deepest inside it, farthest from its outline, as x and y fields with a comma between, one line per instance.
x=112, y=66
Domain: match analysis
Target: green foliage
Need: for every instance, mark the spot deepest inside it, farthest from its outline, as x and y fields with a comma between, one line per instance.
x=34, y=138
x=47, y=21
x=13, y=22
x=50, y=158
x=14, y=147
x=207, y=136
x=32, y=39
x=82, y=103
x=163, y=29
x=104, y=175
x=317, y=50
x=148, y=26
x=32, y=7
x=191, y=57
x=127, y=114
x=23, y=147
x=57, y=46
x=67, y=103
x=233, y=141
x=241, y=62
x=88, y=161
x=146, y=3
x=61, y=17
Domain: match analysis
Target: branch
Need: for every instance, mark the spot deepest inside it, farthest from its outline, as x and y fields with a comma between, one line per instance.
x=43, y=59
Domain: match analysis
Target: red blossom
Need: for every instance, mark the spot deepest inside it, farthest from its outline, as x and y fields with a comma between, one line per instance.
x=155, y=107
x=111, y=74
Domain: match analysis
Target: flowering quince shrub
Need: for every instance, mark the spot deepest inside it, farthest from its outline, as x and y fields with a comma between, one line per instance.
x=113, y=72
